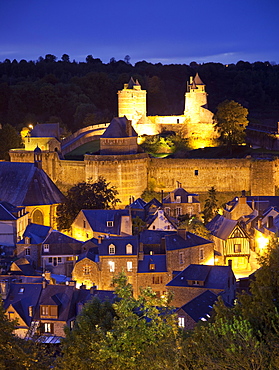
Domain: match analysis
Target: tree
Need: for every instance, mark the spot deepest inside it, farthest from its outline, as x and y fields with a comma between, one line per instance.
x=230, y=122
x=81, y=344
x=210, y=207
x=144, y=332
x=16, y=353
x=91, y=195
x=9, y=139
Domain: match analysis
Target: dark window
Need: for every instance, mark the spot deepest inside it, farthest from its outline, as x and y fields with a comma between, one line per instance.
x=237, y=248
x=196, y=172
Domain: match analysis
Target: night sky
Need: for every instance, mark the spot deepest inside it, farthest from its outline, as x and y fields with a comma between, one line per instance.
x=177, y=31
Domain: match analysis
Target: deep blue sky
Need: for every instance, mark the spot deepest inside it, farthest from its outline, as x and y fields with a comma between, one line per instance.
x=170, y=31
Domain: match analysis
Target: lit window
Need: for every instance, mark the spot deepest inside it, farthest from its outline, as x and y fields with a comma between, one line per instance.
x=21, y=290
x=152, y=266
x=195, y=282
x=237, y=248
x=44, y=310
x=129, y=266
x=129, y=249
x=46, y=247
x=181, y=322
x=111, y=266
x=109, y=223
x=178, y=199
x=86, y=270
x=111, y=249
x=48, y=327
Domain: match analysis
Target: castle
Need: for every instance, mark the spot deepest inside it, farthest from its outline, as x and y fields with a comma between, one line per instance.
x=196, y=124
x=131, y=171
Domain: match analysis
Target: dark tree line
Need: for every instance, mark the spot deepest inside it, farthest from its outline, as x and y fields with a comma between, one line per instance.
x=84, y=93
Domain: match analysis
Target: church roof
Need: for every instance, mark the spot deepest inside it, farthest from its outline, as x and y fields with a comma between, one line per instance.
x=118, y=129
x=23, y=184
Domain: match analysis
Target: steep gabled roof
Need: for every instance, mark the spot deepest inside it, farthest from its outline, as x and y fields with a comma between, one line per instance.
x=98, y=218
x=175, y=241
x=118, y=129
x=137, y=204
x=221, y=227
x=23, y=184
x=21, y=296
x=197, y=80
x=61, y=244
x=183, y=194
x=201, y=306
x=46, y=130
x=213, y=277
x=154, y=236
x=37, y=233
x=120, y=245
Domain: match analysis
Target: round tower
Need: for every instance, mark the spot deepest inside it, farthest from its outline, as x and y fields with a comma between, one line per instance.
x=132, y=101
x=195, y=98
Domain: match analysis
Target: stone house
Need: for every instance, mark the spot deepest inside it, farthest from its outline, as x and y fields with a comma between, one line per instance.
x=59, y=253
x=92, y=223
x=198, y=309
x=179, y=202
x=196, y=279
x=185, y=248
x=160, y=221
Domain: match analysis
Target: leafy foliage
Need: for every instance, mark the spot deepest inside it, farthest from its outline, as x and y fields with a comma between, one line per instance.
x=143, y=332
x=16, y=353
x=95, y=195
x=231, y=121
x=193, y=225
x=9, y=139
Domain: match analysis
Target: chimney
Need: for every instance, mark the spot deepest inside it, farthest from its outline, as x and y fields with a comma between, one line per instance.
x=259, y=223
x=163, y=244
x=270, y=222
x=44, y=284
x=141, y=255
x=129, y=128
x=172, y=197
x=93, y=289
x=4, y=287
x=182, y=233
x=230, y=263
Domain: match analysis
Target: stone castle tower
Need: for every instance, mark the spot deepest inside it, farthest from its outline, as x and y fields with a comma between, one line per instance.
x=195, y=98
x=132, y=101
x=196, y=123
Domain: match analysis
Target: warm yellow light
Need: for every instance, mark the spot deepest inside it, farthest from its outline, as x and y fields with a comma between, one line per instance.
x=30, y=126
x=210, y=261
x=262, y=242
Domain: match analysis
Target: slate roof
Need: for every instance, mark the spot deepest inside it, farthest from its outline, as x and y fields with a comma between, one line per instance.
x=61, y=244
x=153, y=202
x=175, y=241
x=118, y=129
x=221, y=226
x=23, y=184
x=197, y=80
x=214, y=277
x=132, y=83
x=46, y=130
x=97, y=219
x=22, y=267
x=154, y=236
x=92, y=254
x=158, y=259
x=120, y=245
x=61, y=295
x=201, y=306
x=8, y=212
x=183, y=194
x=260, y=203
x=21, y=296
x=138, y=204
x=37, y=233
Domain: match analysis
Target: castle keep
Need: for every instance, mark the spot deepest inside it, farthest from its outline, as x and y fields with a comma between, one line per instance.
x=131, y=171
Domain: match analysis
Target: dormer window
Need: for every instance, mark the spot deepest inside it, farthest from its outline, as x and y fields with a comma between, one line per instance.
x=111, y=249
x=46, y=248
x=109, y=223
x=152, y=266
x=27, y=240
x=129, y=249
x=21, y=290
x=196, y=282
x=178, y=199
